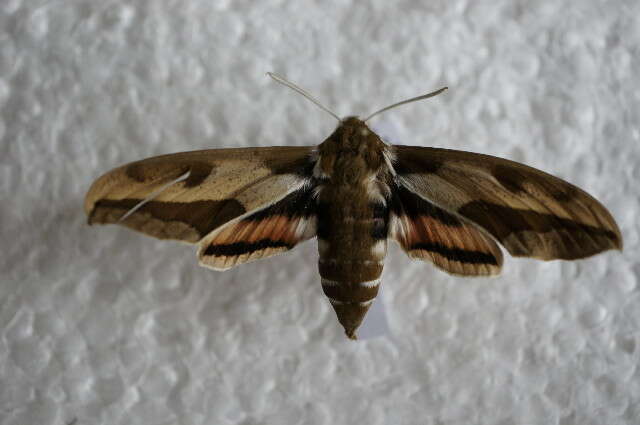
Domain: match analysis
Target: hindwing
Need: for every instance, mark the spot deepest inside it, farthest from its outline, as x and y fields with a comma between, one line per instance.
x=429, y=233
x=272, y=230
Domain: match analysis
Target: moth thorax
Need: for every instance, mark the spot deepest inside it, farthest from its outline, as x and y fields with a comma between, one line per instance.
x=352, y=171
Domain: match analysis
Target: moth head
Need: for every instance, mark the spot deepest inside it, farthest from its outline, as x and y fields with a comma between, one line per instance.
x=352, y=148
x=354, y=125
x=353, y=135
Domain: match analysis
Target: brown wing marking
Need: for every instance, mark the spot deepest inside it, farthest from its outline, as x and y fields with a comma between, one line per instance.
x=270, y=231
x=531, y=213
x=218, y=186
x=429, y=233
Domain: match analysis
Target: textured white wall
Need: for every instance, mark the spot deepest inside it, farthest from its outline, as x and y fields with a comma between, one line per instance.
x=111, y=327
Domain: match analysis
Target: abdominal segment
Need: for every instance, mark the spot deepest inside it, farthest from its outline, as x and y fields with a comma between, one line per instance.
x=351, y=287
x=352, y=255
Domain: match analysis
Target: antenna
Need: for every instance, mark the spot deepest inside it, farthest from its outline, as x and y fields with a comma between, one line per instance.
x=303, y=92
x=413, y=99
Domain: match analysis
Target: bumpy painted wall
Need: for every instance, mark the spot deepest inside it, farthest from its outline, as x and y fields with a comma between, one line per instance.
x=110, y=327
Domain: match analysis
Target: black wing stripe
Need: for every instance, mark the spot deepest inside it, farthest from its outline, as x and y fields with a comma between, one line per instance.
x=239, y=248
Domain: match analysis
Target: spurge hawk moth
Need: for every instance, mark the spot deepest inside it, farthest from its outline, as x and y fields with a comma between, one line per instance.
x=354, y=192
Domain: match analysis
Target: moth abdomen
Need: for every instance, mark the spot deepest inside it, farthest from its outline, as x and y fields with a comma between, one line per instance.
x=352, y=243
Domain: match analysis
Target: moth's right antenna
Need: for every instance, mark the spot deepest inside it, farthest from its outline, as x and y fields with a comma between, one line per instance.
x=303, y=92
x=413, y=99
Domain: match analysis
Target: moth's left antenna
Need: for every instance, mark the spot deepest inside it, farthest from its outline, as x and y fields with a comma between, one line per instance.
x=303, y=92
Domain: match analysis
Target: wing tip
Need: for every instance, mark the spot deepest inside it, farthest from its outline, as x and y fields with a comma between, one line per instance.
x=89, y=203
x=619, y=243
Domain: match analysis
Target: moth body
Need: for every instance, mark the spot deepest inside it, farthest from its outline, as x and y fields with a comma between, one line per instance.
x=352, y=219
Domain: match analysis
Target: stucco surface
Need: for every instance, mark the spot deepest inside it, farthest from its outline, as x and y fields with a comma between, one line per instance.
x=107, y=326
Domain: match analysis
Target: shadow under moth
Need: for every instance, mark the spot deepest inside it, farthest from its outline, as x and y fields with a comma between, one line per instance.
x=354, y=192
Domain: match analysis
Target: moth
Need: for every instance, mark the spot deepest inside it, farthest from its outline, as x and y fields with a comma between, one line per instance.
x=354, y=192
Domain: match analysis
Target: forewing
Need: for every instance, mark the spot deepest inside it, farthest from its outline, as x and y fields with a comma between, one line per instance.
x=429, y=233
x=273, y=230
x=531, y=213
x=187, y=195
